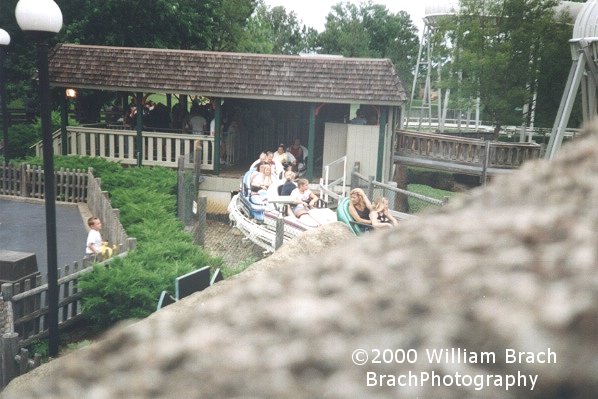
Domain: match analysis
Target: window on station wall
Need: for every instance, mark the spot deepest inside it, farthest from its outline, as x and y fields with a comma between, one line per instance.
x=362, y=114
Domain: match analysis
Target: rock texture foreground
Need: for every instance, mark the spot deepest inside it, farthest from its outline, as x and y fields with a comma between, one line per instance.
x=513, y=266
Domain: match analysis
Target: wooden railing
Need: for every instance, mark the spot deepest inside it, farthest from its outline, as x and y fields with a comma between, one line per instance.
x=120, y=145
x=25, y=310
x=467, y=155
x=28, y=181
x=24, y=303
x=28, y=300
x=100, y=206
x=18, y=115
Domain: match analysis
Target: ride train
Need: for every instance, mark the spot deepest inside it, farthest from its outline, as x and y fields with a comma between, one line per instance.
x=256, y=213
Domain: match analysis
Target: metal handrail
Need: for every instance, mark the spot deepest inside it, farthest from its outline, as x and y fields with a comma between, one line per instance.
x=328, y=186
x=385, y=186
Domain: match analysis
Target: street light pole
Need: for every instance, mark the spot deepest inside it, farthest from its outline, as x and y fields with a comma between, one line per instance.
x=50, y=196
x=42, y=19
x=4, y=41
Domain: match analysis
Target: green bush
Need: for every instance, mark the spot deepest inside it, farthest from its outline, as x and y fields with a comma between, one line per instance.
x=129, y=287
x=20, y=139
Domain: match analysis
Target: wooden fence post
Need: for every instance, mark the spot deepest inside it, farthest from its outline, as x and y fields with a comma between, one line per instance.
x=202, y=208
x=181, y=189
x=24, y=191
x=485, y=162
x=401, y=203
x=197, y=147
x=7, y=291
x=131, y=243
x=279, y=231
x=370, y=191
x=9, y=348
x=354, y=179
x=23, y=361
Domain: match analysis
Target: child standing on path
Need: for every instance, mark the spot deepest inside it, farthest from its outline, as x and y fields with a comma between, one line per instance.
x=94, y=238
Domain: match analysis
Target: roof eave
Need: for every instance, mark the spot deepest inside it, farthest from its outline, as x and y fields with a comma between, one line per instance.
x=265, y=97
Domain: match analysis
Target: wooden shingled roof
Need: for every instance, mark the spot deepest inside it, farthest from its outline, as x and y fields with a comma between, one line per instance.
x=233, y=75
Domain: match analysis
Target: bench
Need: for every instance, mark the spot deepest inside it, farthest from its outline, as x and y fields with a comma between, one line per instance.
x=190, y=283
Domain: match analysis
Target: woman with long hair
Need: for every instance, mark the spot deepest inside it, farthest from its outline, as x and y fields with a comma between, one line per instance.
x=262, y=179
x=360, y=207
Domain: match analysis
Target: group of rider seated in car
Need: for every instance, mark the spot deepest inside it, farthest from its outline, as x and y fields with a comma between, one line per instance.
x=263, y=183
x=283, y=159
x=271, y=169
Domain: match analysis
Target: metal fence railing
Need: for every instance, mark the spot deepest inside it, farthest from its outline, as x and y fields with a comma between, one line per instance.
x=210, y=225
x=375, y=189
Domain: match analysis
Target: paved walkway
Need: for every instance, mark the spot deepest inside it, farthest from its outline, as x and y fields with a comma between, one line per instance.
x=23, y=229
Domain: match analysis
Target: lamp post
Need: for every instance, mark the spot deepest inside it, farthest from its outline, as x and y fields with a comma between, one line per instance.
x=41, y=19
x=4, y=41
x=70, y=94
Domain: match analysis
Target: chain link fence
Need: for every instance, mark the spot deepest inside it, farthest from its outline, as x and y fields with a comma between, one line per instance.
x=394, y=195
x=211, y=227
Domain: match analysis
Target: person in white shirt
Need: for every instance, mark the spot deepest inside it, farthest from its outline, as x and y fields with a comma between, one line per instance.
x=94, y=238
x=304, y=201
x=197, y=124
x=285, y=158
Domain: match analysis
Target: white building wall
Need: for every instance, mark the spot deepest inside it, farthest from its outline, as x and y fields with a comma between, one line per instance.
x=358, y=142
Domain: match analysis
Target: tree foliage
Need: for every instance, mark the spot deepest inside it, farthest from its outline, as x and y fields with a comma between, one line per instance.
x=186, y=24
x=555, y=62
x=274, y=31
x=370, y=30
x=19, y=60
x=497, y=48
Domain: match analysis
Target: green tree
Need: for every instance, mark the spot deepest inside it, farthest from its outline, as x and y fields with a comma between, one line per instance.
x=286, y=31
x=344, y=31
x=186, y=24
x=554, y=64
x=231, y=17
x=258, y=32
x=19, y=61
x=497, y=51
x=370, y=30
x=273, y=30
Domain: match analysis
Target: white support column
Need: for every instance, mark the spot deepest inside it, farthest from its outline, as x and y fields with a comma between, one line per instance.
x=560, y=123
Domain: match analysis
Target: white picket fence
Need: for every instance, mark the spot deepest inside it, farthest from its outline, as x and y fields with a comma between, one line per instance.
x=120, y=145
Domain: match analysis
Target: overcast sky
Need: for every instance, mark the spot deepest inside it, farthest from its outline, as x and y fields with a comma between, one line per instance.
x=313, y=12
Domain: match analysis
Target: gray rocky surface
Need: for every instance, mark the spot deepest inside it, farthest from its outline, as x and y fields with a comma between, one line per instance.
x=512, y=266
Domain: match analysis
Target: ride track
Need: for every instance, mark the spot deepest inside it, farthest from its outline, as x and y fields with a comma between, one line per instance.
x=258, y=222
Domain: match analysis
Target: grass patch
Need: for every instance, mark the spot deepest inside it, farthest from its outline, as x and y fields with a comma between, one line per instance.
x=417, y=205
